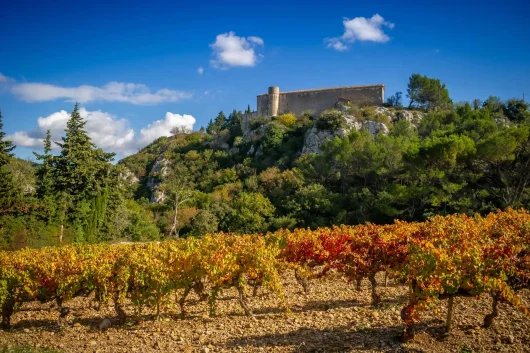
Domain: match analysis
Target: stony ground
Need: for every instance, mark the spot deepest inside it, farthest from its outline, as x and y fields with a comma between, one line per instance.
x=332, y=318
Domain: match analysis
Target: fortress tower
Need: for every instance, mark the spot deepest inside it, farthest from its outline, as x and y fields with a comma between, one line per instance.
x=274, y=100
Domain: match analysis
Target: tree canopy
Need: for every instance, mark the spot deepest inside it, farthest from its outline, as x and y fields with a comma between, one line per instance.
x=427, y=92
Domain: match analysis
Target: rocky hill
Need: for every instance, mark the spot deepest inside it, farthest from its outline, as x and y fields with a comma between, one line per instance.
x=347, y=165
x=267, y=141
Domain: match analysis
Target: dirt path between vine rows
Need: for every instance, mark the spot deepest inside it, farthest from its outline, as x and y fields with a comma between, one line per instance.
x=333, y=317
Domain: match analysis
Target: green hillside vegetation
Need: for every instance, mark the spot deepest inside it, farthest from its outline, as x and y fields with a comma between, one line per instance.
x=466, y=157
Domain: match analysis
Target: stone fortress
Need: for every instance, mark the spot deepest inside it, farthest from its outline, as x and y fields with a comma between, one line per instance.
x=275, y=103
x=315, y=101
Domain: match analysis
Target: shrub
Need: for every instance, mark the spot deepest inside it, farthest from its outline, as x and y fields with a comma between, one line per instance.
x=273, y=138
x=288, y=120
x=368, y=112
x=257, y=122
x=382, y=118
x=205, y=222
x=238, y=140
x=331, y=120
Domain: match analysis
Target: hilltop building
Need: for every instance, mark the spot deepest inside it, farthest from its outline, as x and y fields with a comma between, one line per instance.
x=275, y=103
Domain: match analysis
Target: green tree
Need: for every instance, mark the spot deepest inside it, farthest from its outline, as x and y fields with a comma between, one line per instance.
x=205, y=222
x=6, y=146
x=234, y=119
x=394, y=100
x=210, y=127
x=273, y=138
x=427, y=92
x=45, y=182
x=251, y=213
x=494, y=104
x=216, y=126
x=82, y=176
x=10, y=191
x=180, y=191
x=517, y=110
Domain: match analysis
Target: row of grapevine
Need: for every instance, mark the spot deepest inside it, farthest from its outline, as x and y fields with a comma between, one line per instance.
x=438, y=259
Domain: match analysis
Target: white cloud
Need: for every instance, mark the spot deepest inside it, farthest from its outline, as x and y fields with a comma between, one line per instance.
x=361, y=29
x=4, y=79
x=256, y=40
x=106, y=130
x=200, y=70
x=231, y=50
x=336, y=44
x=5, y=83
x=163, y=127
x=111, y=92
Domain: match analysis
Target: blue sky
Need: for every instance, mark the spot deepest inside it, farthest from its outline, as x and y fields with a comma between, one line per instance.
x=134, y=65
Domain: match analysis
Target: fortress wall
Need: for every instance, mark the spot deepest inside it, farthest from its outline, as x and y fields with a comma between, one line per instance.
x=246, y=119
x=263, y=105
x=321, y=99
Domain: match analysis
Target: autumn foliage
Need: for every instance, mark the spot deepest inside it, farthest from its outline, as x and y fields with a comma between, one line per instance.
x=441, y=258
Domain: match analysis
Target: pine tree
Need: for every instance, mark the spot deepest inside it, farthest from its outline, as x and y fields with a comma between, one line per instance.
x=248, y=110
x=74, y=171
x=210, y=128
x=220, y=122
x=234, y=120
x=10, y=193
x=82, y=174
x=6, y=147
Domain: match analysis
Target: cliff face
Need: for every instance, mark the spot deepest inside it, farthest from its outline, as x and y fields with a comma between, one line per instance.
x=159, y=171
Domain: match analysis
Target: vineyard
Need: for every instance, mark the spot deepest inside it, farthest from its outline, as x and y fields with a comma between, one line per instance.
x=443, y=258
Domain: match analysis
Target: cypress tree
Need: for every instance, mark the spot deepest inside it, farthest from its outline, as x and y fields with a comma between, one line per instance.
x=45, y=182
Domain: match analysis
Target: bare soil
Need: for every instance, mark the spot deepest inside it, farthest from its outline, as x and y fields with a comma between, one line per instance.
x=333, y=317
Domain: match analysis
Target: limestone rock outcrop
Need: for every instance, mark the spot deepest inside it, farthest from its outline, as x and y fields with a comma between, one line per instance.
x=251, y=151
x=387, y=112
x=159, y=171
x=314, y=137
x=255, y=134
x=375, y=128
x=412, y=117
x=128, y=177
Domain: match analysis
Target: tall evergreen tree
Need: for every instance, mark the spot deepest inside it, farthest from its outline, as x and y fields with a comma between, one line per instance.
x=45, y=181
x=210, y=127
x=220, y=122
x=234, y=118
x=6, y=146
x=10, y=192
x=82, y=174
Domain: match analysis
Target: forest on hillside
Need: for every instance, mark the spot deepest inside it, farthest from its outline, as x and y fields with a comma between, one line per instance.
x=464, y=157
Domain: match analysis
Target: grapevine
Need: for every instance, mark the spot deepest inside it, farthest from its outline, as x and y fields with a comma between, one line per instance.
x=438, y=259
